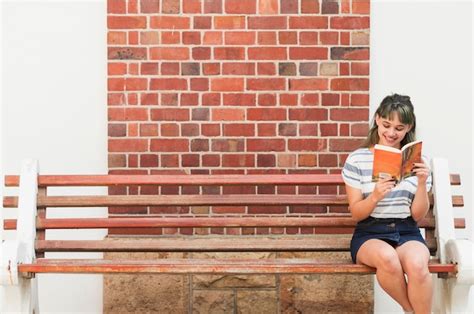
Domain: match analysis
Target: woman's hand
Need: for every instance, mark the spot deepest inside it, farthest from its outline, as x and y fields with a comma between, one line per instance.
x=421, y=171
x=382, y=188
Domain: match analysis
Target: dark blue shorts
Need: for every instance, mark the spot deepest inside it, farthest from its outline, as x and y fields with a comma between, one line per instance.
x=394, y=231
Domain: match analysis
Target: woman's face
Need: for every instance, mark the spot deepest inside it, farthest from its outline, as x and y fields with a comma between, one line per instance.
x=391, y=132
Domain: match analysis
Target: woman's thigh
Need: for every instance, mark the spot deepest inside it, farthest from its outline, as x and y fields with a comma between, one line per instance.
x=375, y=252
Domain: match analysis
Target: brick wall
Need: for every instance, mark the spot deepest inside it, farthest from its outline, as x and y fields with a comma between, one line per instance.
x=234, y=86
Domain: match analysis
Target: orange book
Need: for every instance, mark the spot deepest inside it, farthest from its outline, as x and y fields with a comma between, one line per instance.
x=396, y=163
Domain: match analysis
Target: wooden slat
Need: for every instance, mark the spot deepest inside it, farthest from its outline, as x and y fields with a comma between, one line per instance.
x=192, y=200
x=252, y=179
x=204, y=244
x=209, y=266
x=265, y=179
x=329, y=222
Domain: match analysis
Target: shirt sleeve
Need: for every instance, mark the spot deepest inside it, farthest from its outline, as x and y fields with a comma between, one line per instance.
x=351, y=174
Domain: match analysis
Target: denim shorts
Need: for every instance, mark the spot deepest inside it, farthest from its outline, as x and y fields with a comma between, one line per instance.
x=394, y=231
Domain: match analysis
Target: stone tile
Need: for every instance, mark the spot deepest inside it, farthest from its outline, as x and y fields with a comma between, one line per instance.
x=212, y=301
x=233, y=281
x=255, y=301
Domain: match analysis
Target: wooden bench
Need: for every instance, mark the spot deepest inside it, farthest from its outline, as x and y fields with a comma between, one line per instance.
x=291, y=227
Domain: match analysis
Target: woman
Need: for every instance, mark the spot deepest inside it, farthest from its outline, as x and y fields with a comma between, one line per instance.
x=387, y=236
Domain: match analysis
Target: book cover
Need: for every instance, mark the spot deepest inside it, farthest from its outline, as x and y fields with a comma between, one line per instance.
x=396, y=163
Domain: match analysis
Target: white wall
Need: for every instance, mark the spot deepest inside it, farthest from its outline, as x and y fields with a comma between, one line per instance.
x=424, y=49
x=53, y=96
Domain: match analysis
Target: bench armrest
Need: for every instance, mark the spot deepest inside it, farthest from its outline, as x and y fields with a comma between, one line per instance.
x=461, y=252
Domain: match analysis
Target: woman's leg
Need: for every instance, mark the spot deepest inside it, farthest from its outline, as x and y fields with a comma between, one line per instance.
x=379, y=254
x=414, y=257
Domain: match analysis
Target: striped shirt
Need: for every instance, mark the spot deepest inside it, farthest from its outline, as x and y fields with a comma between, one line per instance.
x=357, y=173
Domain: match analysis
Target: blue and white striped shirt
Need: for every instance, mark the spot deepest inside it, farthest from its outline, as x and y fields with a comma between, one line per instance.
x=357, y=173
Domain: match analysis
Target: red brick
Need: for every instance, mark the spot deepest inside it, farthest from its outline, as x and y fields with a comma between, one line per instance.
x=169, y=38
x=329, y=38
x=239, y=129
x=360, y=68
x=308, y=53
x=287, y=129
x=211, y=161
x=344, y=68
x=288, y=38
x=201, y=53
x=308, y=114
x=239, y=38
x=132, y=84
x=359, y=129
x=266, y=114
x=213, y=6
x=212, y=38
x=267, y=53
x=168, y=84
x=310, y=6
x=265, y=145
x=266, y=84
x=288, y=99
x=132, y=99
x=170, y=6
x=266, y=99
x=116, y=38
x=148, y=130
x=115, y=84
x=127, y=114
x=192, y=6
x=116, y=99
x=309, y=84
x=229, y=53
x=211, y=129
x=127, y=145
x=170, y=161
x=191, y=38
x=307, y=160
x=266, y=68
x=228, y=145
x=116, y=6
x=350, y=22
x=349, y=114
x=266, y=129
x=149, y=160
x=169, y=114
x=349, y=53
x=345, y=38
x=149, y=68
x=227, y=84
x=228, y=114
x=360, y=100
x=361, y=6
x=229, y=22
x=238, y=160
x=116, y=68
x=170, y=22
x=189, y=129
x=189, y=99
x=328, y=129
x=169, y=53
x=126, y=22
x=310, y=145
x=211, y=68
x=211, y=99
x=116, y=161
x=287, y=161
x=126, y=53
x=202, y=22
x=308, y=22
x=150, y=6
x=240, y=6
x=344, y=145
x=200, y=84
x=170, y=68
x=266, y=160
x=348, y=84
x=235, y=68
x=267, y=22
x=268, y=6
x=117, y=130
x=289, y=6
x=308, y=38
x=168, y=99
x=199, y=145
x=132, y=6
x=169, y=145
x=190, y=160
x=344, y=129
x=330, y=99
x=239, y=99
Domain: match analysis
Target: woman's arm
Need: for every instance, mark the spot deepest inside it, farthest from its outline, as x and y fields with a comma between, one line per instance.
x=361, y=208
x=421, y=202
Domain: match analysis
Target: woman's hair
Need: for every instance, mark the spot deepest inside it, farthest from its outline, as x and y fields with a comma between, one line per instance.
x=390, y=105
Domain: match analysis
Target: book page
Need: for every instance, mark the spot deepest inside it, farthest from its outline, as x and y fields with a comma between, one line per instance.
x=411, y=155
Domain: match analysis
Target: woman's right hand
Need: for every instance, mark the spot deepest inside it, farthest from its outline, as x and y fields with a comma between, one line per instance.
x=382, y=188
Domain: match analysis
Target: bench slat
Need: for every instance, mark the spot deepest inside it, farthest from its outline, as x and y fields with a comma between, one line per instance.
x=265, y=179
x=205, y=244
x=204, y=222
x=209, y=266
x=195, y=179
x=192, y=200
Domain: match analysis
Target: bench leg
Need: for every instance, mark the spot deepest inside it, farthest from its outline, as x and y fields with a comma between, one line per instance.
x=21, y=298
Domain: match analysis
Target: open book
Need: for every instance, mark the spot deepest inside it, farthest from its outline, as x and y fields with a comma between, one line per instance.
x=396, y=163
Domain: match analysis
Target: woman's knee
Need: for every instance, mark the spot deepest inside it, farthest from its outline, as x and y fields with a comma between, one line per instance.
x=417, y=269
x=388, y=260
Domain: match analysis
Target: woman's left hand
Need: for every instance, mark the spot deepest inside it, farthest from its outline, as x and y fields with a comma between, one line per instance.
x=421, y=171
